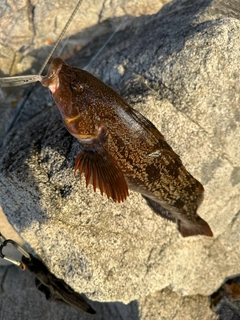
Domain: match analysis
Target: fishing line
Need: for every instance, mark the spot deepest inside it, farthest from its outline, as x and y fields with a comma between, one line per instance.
x=19, y=80
x=105, y=44
x=27, y=79
x=61, y=36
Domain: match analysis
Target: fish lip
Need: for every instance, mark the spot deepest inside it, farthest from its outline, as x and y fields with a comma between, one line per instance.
x=51, y=81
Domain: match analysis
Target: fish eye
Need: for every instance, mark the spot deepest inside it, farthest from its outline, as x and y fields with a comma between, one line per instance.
x=77, y=87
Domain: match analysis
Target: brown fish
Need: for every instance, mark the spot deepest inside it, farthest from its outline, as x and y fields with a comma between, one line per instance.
x=122, y=149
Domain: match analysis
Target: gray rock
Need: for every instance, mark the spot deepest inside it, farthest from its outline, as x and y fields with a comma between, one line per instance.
x=29, y=29
x=179, y=68
x=18, y=286
x=32, y=304
x=167, y=305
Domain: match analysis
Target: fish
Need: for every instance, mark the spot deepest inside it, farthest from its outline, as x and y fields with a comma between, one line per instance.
x=121, y=150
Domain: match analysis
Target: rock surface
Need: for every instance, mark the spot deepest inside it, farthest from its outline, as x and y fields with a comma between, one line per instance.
x=153, y=307
x=179, y=68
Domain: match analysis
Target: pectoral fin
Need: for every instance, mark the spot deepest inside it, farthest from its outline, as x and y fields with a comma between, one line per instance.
x=103, y=172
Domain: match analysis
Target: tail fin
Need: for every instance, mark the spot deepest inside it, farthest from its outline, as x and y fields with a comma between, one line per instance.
x=200, y=227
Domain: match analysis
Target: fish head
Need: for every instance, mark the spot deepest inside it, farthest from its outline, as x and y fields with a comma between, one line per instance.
x=59, y=81
x=77, y=92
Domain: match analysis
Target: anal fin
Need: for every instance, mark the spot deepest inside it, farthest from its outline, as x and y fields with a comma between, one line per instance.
x=159, y=210
x=103, y=172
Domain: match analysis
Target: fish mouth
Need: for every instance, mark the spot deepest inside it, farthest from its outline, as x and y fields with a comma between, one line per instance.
x=51, y=81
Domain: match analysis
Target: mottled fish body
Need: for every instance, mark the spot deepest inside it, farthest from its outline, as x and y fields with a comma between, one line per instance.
x=121, y=149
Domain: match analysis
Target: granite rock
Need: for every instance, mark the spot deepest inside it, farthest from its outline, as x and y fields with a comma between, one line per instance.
x=179, y=68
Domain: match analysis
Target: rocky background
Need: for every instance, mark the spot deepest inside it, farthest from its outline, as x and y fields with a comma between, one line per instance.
x=175, y=62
